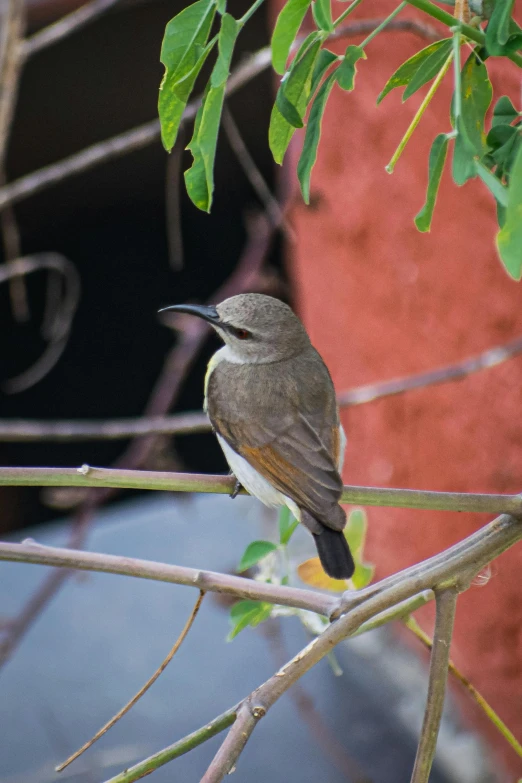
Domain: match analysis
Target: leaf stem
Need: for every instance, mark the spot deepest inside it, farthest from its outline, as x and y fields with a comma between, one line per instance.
x=456, y=72
x=251, y=11
x=346, y=13
x=383, y=24
x=422, y=108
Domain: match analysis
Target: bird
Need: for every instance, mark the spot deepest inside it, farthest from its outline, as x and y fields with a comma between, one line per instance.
x=271, y=403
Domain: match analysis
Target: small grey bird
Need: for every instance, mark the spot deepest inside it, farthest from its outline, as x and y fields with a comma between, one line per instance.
x=271, y=403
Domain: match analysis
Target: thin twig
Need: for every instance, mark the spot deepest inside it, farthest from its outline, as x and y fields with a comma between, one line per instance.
x=453, y=372
x=256, y=179
x=68, y=24
x=446, y=602
x=116, y=478
x=180, y=747
x=484, y=705
x=149, y=132
x=137, y=696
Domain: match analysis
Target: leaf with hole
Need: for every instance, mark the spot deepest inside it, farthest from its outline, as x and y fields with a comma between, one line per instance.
x=405, y=73
x=296, y=88
x=437, y=159
x=183, y=53
x=247, y=613
x=312, y=136
x=287, y=26
x=255, y=551
x=509, y=238
x=345, y=74
x=173, y=98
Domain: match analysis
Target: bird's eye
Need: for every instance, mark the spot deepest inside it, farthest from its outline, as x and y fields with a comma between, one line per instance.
x=242, y=334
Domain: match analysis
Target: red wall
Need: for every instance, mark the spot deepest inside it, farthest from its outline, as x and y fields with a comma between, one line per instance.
x=382, y=300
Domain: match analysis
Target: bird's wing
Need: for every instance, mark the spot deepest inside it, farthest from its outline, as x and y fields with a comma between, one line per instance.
x=290, y=452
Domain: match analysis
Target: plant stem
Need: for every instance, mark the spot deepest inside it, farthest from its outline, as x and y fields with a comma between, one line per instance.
x=497, y=721
x=446, y=604
x=346, y=13
x=397, y=612
x=251, y=11
x=422, y=108
x=456, y=71
x=474, y=33
x=180, y=747
x=383, y=24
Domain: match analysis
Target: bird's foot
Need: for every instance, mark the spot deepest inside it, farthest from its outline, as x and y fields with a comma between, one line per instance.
x=237, y=489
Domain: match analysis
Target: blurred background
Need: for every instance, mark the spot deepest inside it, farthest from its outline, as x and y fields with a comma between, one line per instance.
x=110, y=244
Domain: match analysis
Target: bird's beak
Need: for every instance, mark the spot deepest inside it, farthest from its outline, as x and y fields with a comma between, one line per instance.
x=207, y=312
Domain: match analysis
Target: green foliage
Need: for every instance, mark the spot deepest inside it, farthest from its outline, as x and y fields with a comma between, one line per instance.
x=255, y=552
x=491, y=154
x=345, y=74
x=287, y=26
x=437, y=159
x=287, y=525
x=404, y=75
x=355, y=534
x=247, y=613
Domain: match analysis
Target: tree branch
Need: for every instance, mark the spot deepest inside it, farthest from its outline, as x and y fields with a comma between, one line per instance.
x=107, y=478
x=223, y=762
x=445, y=617
x=208, y=581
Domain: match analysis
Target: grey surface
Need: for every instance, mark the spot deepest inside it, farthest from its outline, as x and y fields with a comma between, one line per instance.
x=104, y=635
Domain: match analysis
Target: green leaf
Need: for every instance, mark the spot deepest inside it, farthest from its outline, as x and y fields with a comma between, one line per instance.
x=504, y=112
x=255, y=552
x=322, y=13
x=499, y=135
x=324, y=61
x=287, y=525
x=246, y=613
x=288, y=110
x=493, y=184
x=363, y=575
x=226, y=42
x=499, y=28
x=221, y=6
x=199, y=179
x=407, y=70
x=437, y=159
x=173, y=99
x=476, y=92
x=428, y=69
x=296, y=88
x=355, y=530
x=313, y=134
x=509, y=238
x=310, y=39
x=463, y=167
x=287, y=26
x=183, y=54
x=345, y=74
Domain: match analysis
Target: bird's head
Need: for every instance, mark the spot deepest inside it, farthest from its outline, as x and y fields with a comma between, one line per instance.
x=256, y=328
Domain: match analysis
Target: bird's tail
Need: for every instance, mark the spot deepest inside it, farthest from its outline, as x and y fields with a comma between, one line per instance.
x=334, y=553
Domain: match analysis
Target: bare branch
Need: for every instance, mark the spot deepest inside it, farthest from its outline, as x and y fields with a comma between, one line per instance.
x=68, y=24
x=453, y=372
x=208, y=581
x=445, y=617
x=137, y=696
x=182, y=424
x=149, y=132
x=115, y=478
x=223, y=762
